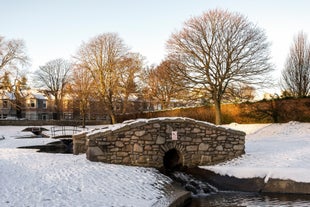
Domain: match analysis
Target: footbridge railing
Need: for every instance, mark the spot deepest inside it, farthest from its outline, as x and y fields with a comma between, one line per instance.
x=66, y=131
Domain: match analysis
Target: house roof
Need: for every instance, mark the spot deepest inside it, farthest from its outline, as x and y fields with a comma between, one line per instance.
x=36, y=95
x=7, y=95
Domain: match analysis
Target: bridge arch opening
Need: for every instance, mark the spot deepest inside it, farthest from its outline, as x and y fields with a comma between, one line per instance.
x=173, y=160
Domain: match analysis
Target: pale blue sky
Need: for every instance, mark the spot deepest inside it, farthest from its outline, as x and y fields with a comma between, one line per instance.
x=56, y=28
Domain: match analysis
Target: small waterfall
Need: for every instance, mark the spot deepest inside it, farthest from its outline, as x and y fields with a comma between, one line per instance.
x=197, y=187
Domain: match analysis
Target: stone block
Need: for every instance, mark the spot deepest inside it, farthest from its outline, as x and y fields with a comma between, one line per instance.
x=150, y=142
x=197, y=140
x=156, y=125
x=203, y=147
x=127, y=148
x=196, y=130
x=191, y=148
x=205, y=159
x=139, y=133
x=148, y=147
x=119, y=144
x=134, y=137
x=126, y=160
x=147, y=137
x=169, y=129
x=238, y=147
x=137, y=148
x=221, y=138
x=142, y=160
x=195, y=158
x=219, y=148
x=228, y=146
x=93, y=152
x=122, y=154
x=160, y=140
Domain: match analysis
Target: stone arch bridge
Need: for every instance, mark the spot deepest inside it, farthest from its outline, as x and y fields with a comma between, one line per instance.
x=161, y=142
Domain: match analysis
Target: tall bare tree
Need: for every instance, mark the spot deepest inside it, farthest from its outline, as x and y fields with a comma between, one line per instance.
x=82, y=89
x=161, y=83
x=296, y=74
x=103, y=56
x=15, y=83
x=53, y=77
x=13, y=58
x=131, y=66
x=217, y=49
x=12, y=54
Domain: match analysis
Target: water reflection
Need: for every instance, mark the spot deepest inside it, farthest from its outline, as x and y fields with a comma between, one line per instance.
x=250, y=199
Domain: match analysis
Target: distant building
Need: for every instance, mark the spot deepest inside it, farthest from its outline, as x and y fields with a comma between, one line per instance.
x=7, y=108
x=37, y=106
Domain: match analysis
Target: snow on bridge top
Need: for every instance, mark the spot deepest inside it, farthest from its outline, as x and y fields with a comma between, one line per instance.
x=139, y=122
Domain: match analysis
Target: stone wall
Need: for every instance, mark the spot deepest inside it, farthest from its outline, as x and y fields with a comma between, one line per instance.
x=146, y=142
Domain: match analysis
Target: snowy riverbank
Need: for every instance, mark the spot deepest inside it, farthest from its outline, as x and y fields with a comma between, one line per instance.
x=272, y=151
x=29, y=178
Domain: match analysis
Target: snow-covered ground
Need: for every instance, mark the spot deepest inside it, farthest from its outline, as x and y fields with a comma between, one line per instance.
x=28, y=178
x=272, y=151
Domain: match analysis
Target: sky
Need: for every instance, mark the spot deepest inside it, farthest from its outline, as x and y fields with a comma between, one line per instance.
x=56, y=28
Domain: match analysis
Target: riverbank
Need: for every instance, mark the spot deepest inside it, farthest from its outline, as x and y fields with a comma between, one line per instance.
x=258, y=185
x=276, y=161
x=272, y=151
x=180, y=197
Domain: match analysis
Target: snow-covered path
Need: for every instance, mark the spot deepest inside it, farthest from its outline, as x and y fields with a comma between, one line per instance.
x=28, y=178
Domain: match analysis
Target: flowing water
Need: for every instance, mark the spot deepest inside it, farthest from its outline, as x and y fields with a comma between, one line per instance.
x=222, y=199
x=203, y=194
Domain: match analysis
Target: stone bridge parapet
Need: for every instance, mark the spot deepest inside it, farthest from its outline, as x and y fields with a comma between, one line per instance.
x=158, y=142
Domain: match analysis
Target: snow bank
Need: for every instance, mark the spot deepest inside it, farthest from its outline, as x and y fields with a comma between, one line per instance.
x=272, y=151
x=29, y=178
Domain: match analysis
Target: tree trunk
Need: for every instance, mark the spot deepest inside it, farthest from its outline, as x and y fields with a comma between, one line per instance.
x=218, y=112
x=113, y=118
x=125, y=104
x=84, y=119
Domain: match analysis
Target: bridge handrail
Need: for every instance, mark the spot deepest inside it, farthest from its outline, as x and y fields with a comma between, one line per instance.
x=66, y=129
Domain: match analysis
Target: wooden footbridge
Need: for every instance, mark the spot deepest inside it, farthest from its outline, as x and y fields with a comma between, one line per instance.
x=65, y=132
x=62, y=133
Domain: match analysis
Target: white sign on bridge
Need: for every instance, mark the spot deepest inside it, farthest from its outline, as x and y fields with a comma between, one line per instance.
x=174, y=135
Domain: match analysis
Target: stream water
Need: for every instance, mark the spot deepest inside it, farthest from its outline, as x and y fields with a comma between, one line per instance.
x=222, y=199
x=203, y=194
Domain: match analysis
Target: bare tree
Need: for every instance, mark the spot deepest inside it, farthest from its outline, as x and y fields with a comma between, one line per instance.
x=103, y=56
x=296, y=74
x=131, y=65
x=162, y=86
x=239, y=93
x=217, y=49
x=53, y=77
x=82, y=89
x=13, y=58
x=12, y=54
